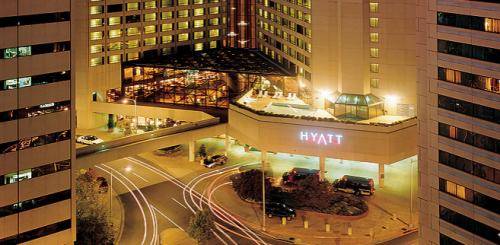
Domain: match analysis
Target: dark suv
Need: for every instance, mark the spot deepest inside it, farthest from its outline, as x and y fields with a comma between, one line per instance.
x=297, y=174
x=279, y=210
x=354, y=184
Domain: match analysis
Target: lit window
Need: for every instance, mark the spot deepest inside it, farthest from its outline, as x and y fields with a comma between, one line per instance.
x=132, y=43
x=198, y=46
x=96, y=9
x=114, y=59
x=166, y=39
x=150, y=17
x=96, y=35
x=182, y=2
x=374, y=37
x=131, y=31
x=115, y=33
x=166, y=27
x=96, y=48
x=96, y=61
x=374, y=83
x=95, y=22
x=132, y=56
x=150, y=29
x=166, y=15
x=374, y=68
x=115, y=46
x=183, y=37
x=214, y=21
x=182, y=13
x=198, y=1
x=199, y=23
x=373, y=7
x=214, y=33
x=374, y=52
x=149, y=41
x=213, y=10
x=150, y=5
x=373, y=22
x=213, y=44
x=182, y=25
x=198, y=35
x=132, y=6
x=199, y=12
x=491, y=25
x=114, y=21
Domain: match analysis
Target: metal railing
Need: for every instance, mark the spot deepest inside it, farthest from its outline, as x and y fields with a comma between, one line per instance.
x=127, y=140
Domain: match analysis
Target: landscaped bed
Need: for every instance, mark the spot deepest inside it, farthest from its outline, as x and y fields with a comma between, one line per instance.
x=309, y=194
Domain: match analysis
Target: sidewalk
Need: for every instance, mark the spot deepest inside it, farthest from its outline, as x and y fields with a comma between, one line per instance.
x=116, y=212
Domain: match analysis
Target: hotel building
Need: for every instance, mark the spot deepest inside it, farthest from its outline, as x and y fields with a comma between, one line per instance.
x=458, y=62
x=36, y=123
x=112, y=32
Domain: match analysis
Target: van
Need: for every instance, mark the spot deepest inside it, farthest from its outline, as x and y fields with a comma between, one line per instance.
x=297, y=174
x=355, y=185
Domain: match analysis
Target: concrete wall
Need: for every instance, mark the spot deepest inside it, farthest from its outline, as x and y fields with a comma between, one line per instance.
x=369, y=143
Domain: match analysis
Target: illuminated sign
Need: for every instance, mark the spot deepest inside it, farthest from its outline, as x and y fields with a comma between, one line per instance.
x=321, y=138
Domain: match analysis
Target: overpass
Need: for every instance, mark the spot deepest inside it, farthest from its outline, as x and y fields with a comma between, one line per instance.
x=131, y=145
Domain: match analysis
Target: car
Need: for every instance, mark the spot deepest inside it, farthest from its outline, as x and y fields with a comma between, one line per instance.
x=296, y=174
x=355, y=185
x=280, y=210
x=89, y=140
x=214, y=160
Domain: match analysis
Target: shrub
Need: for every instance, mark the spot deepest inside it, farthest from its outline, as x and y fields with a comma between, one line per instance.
x=248, y=185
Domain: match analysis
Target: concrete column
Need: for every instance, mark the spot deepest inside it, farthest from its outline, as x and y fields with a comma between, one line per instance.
x=263, y=159
x=381, y=173
x=322, y=168
x=191, y=150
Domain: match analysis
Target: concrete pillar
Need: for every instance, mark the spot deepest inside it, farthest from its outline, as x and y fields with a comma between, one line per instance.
x=263, y=159
x=381, y=173
x=191, y=150
x=322, y=168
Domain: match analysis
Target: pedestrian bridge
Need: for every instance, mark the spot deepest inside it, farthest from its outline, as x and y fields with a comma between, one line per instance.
x=135, y=144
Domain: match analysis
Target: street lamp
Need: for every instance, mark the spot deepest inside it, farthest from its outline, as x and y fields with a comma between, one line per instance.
x=125, y=101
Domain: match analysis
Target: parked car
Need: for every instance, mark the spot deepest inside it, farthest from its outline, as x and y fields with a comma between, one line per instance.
x=214, y=160
x=297, y=174
x=170, y=149
x=279, y=210
x=354, y=184
x=89, y=140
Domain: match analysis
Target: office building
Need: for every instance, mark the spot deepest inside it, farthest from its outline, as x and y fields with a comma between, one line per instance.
x=458, y=60
x=36, y=123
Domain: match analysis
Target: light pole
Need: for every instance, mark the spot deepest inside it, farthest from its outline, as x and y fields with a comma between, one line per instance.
x=124, y=101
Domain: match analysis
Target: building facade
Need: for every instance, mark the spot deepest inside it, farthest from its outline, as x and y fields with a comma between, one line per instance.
x=36, y=123
x=344, y=47
x=112, y=32
x=458, y=89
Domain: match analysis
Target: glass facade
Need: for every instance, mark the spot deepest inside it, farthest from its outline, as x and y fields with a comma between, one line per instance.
x=357, y=107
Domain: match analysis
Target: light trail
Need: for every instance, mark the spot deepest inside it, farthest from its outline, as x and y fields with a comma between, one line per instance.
x=137, y=201
x=166, y=217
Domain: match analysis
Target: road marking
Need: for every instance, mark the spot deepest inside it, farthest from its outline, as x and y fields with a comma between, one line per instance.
x=140, y=177
x=166, y=217
x=179, y=203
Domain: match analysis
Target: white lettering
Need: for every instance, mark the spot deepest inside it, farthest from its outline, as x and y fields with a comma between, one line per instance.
x=314, y=136
x=330, y=136
x=338, y=138
x=322, y=137
x=303, y=136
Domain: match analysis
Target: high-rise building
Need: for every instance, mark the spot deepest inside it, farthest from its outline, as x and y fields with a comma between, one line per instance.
x=458, y=52
x=344, y=47
x=36, y=123
x=112, y=32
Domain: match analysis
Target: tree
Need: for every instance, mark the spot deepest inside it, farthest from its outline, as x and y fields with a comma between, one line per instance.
x=201, y=226
x=111, y=122
x=93, y=225
x=248, y=185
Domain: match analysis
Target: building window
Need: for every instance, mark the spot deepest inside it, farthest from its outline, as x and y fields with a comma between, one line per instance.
x=468, y=224
x=96, y=9
x=198, y=46
x=96, y=48
x=373, y=22
x=115, y=33
x=132, y=6
x=469, y=51
x=213, y=10
x=166, y=15
x=96, y=35
x=150, y=17
x=114, y=59
x=37, y=233
x=214, y=33
x=374, y=37
x=469, y=109
x=150, y=5
x=199, y=23
x=198, y=12
x=445, y=240
x=183, y=13
x=470, y=138
x=34, y=141
x=96, y=61
x=468, y=166
x=198, y=35
x=34, y=172
x=374, y=52
x=132, y=56
x=374, y=68
x=469, y=79
x=183, y=37
x=132, y=31
x=132, y=43
x=182, y=25
x=115, y=8
x=149, y=41
x=115, y=46
x=166, y=39
x=149, y=29
x=374, y=83
x=373, y=7
x=33, y=81
x=96, y=22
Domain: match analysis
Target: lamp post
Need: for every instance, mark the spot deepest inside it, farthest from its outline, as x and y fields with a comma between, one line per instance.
x=124, y=101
